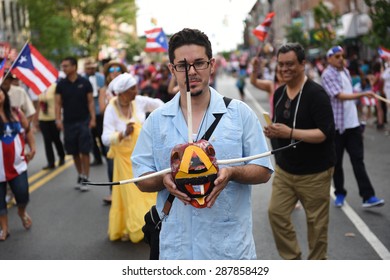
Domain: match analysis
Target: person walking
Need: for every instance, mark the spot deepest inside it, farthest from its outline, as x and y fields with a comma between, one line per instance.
x=14, y=133
x=74, y=97
x=338, y=84
x=222, y=229
x=97, y=81
x=123, y=119
x=48, y=128
x=302, y=111
x=112, y=69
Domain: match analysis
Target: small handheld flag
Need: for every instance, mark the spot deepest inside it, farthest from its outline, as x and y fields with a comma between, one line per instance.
x=261, y=31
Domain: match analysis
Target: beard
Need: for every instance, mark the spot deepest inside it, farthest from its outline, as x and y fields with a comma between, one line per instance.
x=197, y=93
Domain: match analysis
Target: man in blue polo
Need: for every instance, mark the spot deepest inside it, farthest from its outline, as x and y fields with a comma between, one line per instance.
x=74, y=97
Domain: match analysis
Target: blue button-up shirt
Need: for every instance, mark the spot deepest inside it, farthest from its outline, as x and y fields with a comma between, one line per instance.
x=225, y=230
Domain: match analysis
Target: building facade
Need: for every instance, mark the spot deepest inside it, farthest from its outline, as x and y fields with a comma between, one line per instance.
x=13, y=26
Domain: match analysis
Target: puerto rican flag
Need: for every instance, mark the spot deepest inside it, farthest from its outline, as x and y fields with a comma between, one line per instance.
x=384, y=53
x=156, y=40
x=2, y=69
x=261, y=31
x=34, y=70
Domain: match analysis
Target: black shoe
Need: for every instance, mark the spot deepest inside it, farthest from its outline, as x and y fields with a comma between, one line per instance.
x=49, y=166
x=61, y=162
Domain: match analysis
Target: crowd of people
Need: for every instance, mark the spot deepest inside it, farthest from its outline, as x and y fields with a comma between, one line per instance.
x=132, y=118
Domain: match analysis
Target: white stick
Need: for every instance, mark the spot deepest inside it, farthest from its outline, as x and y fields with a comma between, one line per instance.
x=382, y=98
x=189, y=117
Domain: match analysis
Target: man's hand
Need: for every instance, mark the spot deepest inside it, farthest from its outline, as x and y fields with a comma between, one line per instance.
x=220, y=183
x=277, y=130
x=170, y=185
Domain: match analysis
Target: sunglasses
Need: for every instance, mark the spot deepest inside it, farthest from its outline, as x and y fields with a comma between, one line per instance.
x=114, y=69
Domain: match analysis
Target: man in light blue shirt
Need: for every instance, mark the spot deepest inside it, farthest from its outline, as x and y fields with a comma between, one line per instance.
x=222, y=230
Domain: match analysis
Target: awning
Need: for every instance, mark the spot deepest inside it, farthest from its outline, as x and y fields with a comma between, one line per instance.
x=354, y=25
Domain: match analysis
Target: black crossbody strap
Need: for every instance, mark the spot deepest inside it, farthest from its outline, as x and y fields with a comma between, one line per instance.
x=206, y=136
x=218, y=117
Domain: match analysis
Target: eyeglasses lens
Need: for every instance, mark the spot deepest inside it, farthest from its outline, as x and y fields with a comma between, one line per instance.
x=287, y=106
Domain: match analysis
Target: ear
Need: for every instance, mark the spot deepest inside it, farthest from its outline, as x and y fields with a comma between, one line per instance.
x=170, y=66
x=212, y=65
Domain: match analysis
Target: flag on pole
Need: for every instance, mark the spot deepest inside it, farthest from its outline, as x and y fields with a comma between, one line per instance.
x=383, y=53
x=2, y=69
x=261, y=31
x=34, y=70
x=156, y=40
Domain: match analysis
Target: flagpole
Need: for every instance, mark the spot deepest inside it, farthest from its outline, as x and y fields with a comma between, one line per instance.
x=13, y=63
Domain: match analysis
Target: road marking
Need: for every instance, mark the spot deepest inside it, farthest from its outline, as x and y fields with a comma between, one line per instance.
x=50, y=176
x=360, y=225
x=36, y=176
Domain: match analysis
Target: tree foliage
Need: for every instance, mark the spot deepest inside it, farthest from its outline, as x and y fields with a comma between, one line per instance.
x=325, y=20
x=294, y=33
x=76, y=27
x=380, y=15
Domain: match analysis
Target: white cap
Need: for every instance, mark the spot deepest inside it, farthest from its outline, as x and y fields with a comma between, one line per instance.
x=122, y=83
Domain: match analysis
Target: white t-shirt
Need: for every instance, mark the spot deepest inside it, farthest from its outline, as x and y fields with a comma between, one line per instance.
x=351, y=119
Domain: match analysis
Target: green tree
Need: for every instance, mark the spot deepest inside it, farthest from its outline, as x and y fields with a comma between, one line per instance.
x=51, y=31
x=325, y=20
x=295, y=33
x=380, y=16
x=76, y=27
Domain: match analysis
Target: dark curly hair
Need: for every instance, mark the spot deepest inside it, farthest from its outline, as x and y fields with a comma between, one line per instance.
x=189, y=36
x=296, y=48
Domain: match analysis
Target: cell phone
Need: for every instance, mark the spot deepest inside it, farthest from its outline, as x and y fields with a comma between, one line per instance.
x=267, y=118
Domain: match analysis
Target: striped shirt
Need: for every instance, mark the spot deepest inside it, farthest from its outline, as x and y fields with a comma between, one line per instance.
x=333, y=85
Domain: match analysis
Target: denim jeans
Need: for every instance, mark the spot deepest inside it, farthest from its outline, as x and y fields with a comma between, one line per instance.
x=19, y=186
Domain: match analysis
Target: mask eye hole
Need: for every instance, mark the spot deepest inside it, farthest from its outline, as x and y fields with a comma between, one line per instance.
x=175, y=156
x=210, y=150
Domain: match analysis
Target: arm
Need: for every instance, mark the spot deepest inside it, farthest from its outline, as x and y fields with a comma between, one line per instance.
x=173, y=88
x=91, y=109
x=30, y=140
x=58, y=106
x=261, y=84
x=279, y=130
x=102, y=99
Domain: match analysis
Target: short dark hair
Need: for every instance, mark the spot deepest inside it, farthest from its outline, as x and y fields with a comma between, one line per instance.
x=189, y=36
x=71, y=59
x=296, y=48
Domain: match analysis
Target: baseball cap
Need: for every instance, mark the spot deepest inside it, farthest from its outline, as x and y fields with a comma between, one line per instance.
x=333, y=51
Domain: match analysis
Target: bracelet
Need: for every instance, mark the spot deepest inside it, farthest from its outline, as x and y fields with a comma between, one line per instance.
x=291, y=133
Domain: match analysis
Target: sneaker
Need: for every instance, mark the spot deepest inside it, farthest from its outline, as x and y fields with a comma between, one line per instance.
x=373, y=201
x=339, y=202
x=83, y=187
x=80, y=179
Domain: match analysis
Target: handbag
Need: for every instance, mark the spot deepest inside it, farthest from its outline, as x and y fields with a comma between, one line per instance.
x=152, y=219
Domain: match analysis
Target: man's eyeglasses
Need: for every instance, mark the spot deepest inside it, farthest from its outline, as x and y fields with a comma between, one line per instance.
x=287, y=109
x=198, y=65
x=287, y=64
x=338, y=56
x=114, y=69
